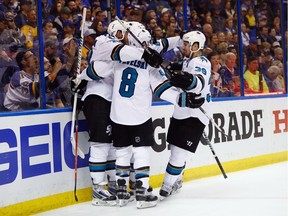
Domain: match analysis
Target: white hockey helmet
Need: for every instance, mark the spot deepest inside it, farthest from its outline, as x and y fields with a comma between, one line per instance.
x=135, y=25
x=143, y=36
x=115, y=26
x=195, y=37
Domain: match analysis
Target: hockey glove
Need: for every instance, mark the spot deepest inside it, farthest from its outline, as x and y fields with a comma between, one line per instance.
x=152, y=57
x=191, y=100
x=171, y=68
x=183, y=80
x=78, y=85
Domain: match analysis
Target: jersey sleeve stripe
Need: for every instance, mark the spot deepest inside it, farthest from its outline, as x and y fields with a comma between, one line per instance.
x=91, y=73
x=193, y=84
x=165, y=45
x=202, y=79
x=162, y=88
x=115, y=56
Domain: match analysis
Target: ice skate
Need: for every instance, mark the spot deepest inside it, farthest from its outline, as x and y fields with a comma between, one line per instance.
x=112, y=187
x=102, y=197
x=165, y=191
x=122, y=193
x=132, y=191
x=176, y=187
x=144, y=197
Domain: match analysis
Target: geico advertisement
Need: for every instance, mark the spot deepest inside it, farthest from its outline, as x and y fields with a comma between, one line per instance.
x=35, y=150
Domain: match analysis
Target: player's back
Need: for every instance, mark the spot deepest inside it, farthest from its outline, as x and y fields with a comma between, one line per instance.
x=132, y=95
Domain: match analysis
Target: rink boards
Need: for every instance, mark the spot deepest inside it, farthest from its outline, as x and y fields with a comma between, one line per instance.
x=37, y=164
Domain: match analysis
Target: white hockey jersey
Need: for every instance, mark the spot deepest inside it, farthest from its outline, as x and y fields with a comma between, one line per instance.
x=134, y=82
x=201, y=67
x=106, y=49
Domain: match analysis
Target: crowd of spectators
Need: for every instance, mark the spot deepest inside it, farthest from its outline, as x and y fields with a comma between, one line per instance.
x=260, y=33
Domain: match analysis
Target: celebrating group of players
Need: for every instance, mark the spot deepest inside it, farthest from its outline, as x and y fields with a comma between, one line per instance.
x=124, y=70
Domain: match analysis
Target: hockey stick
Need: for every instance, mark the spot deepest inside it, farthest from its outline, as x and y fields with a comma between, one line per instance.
x=205, y=140
x=168, y=75
x=75, y=113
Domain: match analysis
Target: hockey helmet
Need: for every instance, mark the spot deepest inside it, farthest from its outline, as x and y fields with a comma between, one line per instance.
x=195, y=37
x=143, y=36
x=116, y=26
x=135, y=25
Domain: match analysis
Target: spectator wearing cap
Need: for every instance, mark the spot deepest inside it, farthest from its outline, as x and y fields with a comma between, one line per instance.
x=65, y=14
x=30, y=29
x=254, y=79
x=89, y=40
x=275, y=45
x=21, y=17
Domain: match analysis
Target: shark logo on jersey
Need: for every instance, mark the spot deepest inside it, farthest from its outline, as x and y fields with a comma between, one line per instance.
x=109, y=130
x=137, y=139
x=189, y=143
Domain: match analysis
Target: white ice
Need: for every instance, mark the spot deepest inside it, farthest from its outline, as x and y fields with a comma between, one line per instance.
x=261, y=191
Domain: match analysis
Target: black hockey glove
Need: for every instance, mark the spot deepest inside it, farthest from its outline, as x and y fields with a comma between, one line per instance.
x=152, y=57
x=182, y=79
x=171, y=68
x=78, y=85
x=191, y=100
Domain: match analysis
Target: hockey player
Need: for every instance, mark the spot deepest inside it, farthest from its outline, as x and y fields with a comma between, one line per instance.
x=160, y=46
x=96, y=108
x=132, y=122
x=187, y=125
